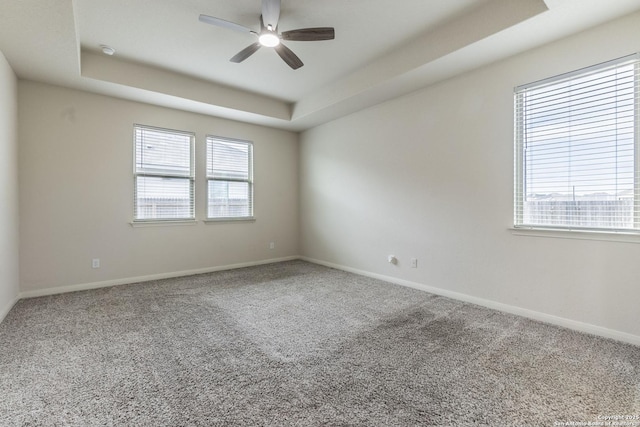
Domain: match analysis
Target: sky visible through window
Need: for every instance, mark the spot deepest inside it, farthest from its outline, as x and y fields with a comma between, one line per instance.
x=579, y=139
x=576, y=143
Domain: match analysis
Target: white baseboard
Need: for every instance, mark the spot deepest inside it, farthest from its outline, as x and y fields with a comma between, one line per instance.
x=129, y=280
x=7, y=308
x=531, y=314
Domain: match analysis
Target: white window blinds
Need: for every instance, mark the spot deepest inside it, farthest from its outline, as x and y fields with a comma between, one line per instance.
x=229, y=178
x=164, y=177
x=577, y=150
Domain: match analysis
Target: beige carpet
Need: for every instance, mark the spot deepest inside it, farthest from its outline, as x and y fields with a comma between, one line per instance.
x=298, y=344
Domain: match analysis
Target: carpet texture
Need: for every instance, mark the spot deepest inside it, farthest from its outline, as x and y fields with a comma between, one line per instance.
x=299, y=344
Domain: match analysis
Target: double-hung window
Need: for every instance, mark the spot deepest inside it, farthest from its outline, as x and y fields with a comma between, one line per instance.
x=229, y=178
x=164, y=174
x=577, y=150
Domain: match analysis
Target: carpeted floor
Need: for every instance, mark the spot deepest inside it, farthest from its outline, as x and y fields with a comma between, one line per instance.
x=299, y=344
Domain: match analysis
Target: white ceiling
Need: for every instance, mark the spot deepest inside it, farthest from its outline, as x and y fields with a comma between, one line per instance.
x=383, y=49
x=171, y=36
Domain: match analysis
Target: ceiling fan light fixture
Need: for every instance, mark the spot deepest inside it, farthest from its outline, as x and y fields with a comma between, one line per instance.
x=269, y=39
x=269, y=36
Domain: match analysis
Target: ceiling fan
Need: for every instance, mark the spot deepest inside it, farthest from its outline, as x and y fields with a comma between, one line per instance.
x=269, y=36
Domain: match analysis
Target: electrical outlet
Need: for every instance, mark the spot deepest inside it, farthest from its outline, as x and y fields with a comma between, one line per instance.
x=95, y=263
x=272, y=245
x=414, y=262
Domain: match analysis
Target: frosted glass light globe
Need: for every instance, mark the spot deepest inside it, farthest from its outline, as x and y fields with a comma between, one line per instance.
x=269, y=39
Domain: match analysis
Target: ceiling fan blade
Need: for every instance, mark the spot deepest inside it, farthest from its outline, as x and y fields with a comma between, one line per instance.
x=310, y=34
x=246, y=52
x=271, y=13
x=288, y=56
x=224, y=24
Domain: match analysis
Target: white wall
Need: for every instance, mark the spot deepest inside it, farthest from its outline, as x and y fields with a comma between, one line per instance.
x=430, y=175
x=76, y=193
x=8, y=187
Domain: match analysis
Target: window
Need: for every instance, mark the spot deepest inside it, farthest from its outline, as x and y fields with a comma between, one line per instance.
x=229, y=178
x=164, y=178
x=576, y=154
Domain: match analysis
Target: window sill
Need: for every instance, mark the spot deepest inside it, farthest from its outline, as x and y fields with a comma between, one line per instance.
x=559, y=233
x=162, y=223
x=238, y=219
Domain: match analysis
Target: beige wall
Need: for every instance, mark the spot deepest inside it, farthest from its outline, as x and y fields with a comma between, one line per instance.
x=430, y=176
x=8, y=187
x=76, y=193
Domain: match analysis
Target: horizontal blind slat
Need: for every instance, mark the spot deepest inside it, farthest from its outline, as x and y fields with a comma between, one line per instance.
x=575, y=149
x=164, y=177
x=229, y=178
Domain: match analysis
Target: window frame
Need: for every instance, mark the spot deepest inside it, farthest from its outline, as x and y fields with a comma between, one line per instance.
x=520, y=142
x=190, y=176
x=209, y=139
